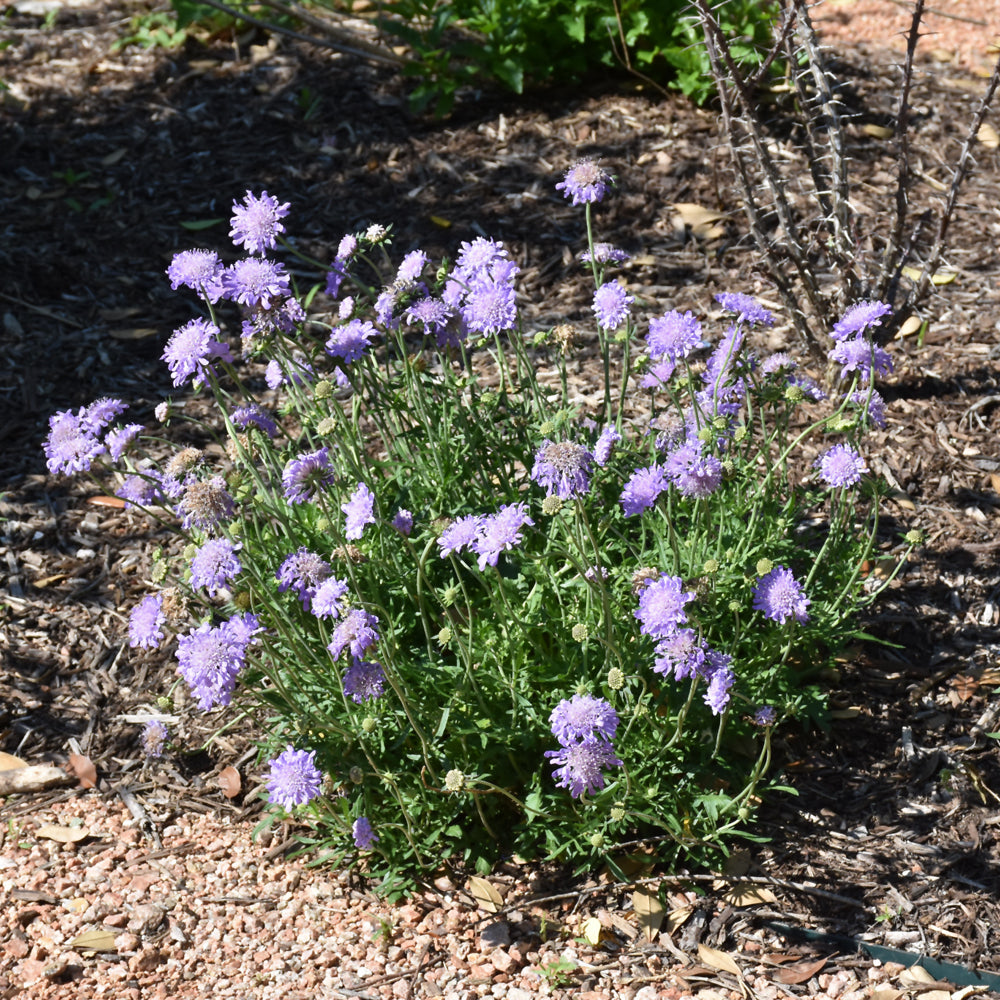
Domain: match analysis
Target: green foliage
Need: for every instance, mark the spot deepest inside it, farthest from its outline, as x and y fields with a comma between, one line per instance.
x=523, y=43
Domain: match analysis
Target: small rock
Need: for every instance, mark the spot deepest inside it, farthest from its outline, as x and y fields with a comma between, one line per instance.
x=127, y=942
x=146, y=917
x=501, y=961
x=496, y=935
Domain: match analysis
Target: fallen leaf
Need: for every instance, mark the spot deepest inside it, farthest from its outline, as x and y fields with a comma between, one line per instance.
x=8, y=762
x=229, y=782
x=94, y=941
x=702, y=221
x=441, y=223
x=115, y=502
x=718, y=960
x=887, y=993
x=965, y=686
x=846, y=713
x=592, y=930
x=678, y=917
x=649, y=910
x=938, y=278
x=779, y=959
x=878, y=131
x=110, y=159
x=63, y=834
x=84, y=769
x=133, y=333
x=749, y=895
x=485, y=894
x=801, y=972
x=910, y=327
x=917, y=975
x=987, y=135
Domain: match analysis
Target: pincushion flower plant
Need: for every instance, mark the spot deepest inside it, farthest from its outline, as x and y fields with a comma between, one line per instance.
x=476, y=617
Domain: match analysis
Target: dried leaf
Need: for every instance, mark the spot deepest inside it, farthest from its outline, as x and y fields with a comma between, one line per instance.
x=801, y=972
x=84, y=769
x=887, y=993
x=696, y=215
x=910, y=327
x=965, y=686
x=110, y=159
x=749, y=895
x=229, y=782
x=916, y=974
x=987, y=135
x=649, y=910
x=700, y=219
x=115, y=502
x=63, y=834
x=485, y=894
x=8, y=762
x=878, y=131
x=592, y=930
x=678, y=917
x=938, y=278
x=132, y=332
x=441, y=223
x=776, y=958
x=718, y=960
x=94, y=941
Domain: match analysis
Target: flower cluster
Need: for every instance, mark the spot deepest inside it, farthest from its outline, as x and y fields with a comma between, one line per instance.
x=584, y=727
x=76, y=439
x=211, y=658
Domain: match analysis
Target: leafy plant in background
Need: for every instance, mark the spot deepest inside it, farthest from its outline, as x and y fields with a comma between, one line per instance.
x=819, y=230
x=450, y=44
x=474, y=617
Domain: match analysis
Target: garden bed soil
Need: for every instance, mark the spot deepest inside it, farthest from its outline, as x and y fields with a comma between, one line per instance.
x=892, y=834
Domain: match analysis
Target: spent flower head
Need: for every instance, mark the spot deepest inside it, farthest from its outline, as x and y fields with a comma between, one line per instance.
x=585, y=182
x=563, y=468
x=154, y=735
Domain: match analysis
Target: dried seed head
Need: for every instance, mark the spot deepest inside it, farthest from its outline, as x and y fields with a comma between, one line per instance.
x=642, y=576
x=184, y=460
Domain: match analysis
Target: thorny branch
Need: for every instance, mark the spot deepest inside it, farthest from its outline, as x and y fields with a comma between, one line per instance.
x=802, y=249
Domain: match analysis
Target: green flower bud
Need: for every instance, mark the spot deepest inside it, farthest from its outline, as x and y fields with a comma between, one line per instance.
x=552, y=504
x=617, y=814
x=740, y=433
x=547, y=429
x=580, y=633
x=597, y=840
x=323, y=389
x=323, y=524
x=706, y=434
x=540, y=338
x=914, y=537
x=445, y=636
x=451, y=595
x=764, y=566
x=616, y=679
x=159, y=571
x=711, y=566
x=326, y=426
x=794, y=394
x=368, y=724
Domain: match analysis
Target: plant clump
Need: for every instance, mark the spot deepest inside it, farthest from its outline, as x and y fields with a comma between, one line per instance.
x=475, y=617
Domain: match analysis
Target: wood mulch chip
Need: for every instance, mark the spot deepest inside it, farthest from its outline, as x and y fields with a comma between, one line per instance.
x=892, y=836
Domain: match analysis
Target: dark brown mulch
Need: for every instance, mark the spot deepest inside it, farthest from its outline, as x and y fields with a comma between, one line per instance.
x=103, y=156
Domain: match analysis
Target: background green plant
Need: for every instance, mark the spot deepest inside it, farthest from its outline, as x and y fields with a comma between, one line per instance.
x=518, y=44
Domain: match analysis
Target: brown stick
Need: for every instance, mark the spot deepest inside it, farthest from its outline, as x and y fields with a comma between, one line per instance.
x=37, y=778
